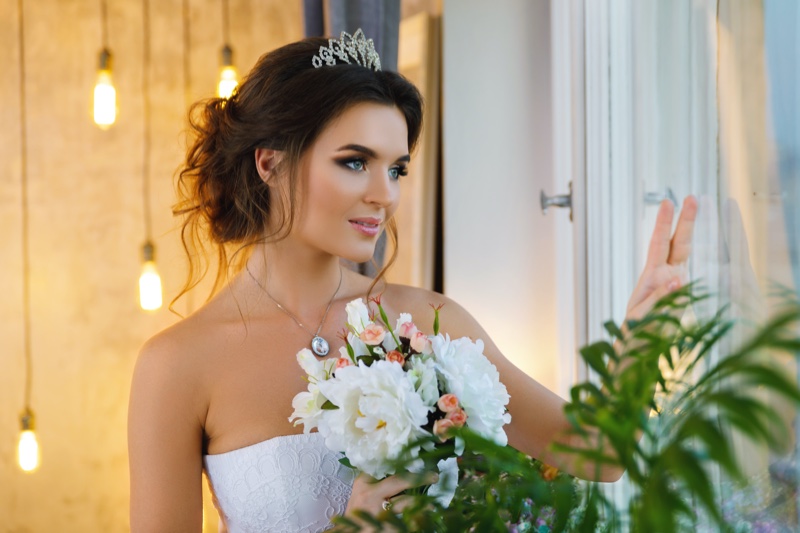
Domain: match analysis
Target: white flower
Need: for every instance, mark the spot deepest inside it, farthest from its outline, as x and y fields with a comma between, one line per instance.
x=357, y=315
x=308, y=408
x=359, y=348
x=468, y=374
x=316, y=368
x=422, y=373
x=308, y=404
x=402, y=319
x=379, y=413
x=444, y=489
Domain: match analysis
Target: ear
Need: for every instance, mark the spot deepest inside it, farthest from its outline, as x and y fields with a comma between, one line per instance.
x=267, y=160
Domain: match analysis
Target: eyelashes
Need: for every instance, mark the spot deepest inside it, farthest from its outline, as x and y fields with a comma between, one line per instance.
x=359, y=164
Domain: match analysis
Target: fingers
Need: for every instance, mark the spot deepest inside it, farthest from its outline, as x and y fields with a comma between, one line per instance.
x=398, y=504
x=662, y=285
x=658, y=251
x=369, y=495
x=681, y=244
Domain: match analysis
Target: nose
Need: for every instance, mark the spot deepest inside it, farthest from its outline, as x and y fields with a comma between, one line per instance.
x=381, y=190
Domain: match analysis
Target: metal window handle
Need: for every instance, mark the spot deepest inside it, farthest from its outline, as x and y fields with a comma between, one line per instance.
x=655, y=198
x=557, y=200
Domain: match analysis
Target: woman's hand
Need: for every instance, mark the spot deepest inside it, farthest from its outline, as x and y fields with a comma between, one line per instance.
x=665, y=270
x=369, y=495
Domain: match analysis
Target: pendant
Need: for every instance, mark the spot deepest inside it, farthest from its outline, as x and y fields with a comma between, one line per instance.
x=320, y=346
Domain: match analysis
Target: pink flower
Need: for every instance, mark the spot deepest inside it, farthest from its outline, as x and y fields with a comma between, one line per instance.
x=457, y=417
x=343, y=362
x=395, y=357
x=420, y=343
x=448, y=403
x=373, y=334
x=441, y=427
x=407, y=330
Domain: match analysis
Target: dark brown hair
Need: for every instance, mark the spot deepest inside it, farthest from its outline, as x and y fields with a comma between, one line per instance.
x=283, y=104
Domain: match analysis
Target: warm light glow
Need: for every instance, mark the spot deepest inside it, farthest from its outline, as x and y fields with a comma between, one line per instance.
x=228, y=80
x=150, y=287
x=28, y=451
x=105, y=100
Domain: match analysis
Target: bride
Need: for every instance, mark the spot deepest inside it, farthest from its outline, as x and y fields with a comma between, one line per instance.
x=301, y=168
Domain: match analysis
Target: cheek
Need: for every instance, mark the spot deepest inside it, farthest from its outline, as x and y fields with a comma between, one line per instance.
x=392, y=208
x=327, y=195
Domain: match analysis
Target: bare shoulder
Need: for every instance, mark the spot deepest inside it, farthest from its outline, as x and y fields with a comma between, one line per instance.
x=174, y=365
x=178, y=347
x=166, y=416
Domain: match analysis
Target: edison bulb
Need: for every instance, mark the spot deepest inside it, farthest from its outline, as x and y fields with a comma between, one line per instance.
x=150, y=287
x=228, y=81
x=28, y=447
x=105, y=95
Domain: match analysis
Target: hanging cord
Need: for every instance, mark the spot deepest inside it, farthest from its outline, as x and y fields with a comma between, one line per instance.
x=26, y=266
x=226, y=29
x=148, y=230
x=104, y=23
x=187, y=96
x=187, y=65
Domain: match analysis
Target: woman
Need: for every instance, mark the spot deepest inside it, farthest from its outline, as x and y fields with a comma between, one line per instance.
x=299, y=169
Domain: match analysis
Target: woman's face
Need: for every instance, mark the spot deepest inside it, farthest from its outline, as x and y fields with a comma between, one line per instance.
x=350, y=181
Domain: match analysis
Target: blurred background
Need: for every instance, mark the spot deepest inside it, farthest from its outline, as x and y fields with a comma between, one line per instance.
x=553, y=130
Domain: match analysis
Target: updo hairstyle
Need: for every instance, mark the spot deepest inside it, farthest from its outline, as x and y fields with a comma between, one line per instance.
x=283, y=104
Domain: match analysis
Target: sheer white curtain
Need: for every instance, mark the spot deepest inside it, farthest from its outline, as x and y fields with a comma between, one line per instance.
x=680, y=98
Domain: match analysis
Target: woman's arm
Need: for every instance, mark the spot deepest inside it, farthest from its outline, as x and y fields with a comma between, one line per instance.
x=165, y=441
x=537, y=414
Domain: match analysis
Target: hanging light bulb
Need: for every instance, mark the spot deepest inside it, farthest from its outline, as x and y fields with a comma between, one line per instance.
x=149, y=281
x=228, y=77
x=105, y=95
x=28, y=448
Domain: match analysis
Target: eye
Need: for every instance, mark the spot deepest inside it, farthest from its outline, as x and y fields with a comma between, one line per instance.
x=396, y=172
x=356, y=164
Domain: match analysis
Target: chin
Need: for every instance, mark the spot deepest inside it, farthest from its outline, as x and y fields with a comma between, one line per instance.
x=362, y=255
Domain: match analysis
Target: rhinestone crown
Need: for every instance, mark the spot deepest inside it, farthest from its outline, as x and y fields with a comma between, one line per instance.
x=350, y=49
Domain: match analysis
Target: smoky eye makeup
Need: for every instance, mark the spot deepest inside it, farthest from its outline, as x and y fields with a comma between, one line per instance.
x=355, y=163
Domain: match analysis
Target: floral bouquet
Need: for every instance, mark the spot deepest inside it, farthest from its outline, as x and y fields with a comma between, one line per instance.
x=391, y=388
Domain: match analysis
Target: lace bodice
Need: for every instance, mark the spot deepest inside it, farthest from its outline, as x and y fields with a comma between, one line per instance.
x=291, y=483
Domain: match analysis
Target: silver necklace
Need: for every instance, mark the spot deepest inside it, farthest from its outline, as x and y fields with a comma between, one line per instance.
x=319, y=345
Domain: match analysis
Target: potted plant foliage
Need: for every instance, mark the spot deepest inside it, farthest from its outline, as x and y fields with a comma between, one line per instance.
x=664, y=408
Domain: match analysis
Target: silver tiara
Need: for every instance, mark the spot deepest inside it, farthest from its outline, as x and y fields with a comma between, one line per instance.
x=349, y=49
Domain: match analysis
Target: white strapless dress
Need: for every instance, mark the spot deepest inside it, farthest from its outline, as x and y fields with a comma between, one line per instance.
x=291, y=483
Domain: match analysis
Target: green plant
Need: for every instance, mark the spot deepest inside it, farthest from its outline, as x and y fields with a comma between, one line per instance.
x=663, y=409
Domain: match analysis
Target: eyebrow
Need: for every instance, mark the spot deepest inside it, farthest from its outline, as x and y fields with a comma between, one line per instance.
x=369, y=152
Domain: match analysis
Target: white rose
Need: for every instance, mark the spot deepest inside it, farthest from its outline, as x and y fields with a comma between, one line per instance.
x=357, y=315
x=468, y=374
x=379, y=413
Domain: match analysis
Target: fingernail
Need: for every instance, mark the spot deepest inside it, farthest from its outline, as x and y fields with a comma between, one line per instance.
x=674, y=284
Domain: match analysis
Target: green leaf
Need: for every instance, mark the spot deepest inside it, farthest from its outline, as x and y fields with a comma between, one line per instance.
x=328, y=406
x=614, y=330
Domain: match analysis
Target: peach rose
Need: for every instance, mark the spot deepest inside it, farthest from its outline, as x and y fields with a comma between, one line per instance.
x=441, y=427
x=395, y=357
x=343, y=362
x=407, y=330
x=420, y=343
x=448, y=403
x=373, y=334
x=458, y=417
